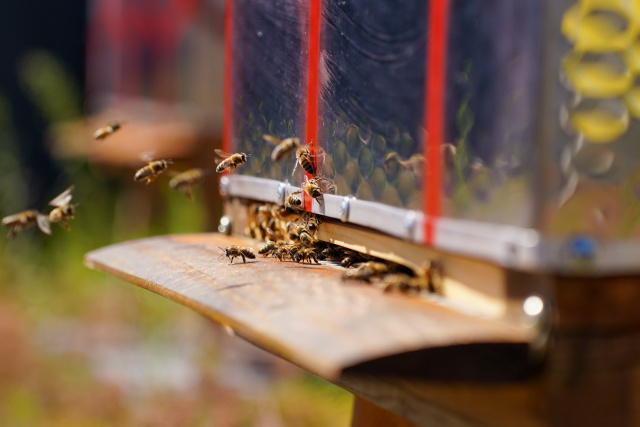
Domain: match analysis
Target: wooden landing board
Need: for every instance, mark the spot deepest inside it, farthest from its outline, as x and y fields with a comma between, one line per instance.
x=306, y=314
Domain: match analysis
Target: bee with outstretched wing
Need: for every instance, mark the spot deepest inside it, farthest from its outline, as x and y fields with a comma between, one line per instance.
x=229, y=162
x=63, y=211
x=26, y=219
x=152, y=170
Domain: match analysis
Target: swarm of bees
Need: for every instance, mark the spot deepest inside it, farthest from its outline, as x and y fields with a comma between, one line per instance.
x=291, y=236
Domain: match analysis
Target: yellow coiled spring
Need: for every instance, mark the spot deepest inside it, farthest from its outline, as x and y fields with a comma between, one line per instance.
x=603, y=66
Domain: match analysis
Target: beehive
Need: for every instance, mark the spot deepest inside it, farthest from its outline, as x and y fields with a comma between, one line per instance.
x=497, y=129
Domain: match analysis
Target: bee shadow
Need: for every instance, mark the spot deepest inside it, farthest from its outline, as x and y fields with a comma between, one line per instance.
x=242, y=263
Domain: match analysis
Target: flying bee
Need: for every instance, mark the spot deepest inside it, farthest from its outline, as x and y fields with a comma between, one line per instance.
x=152, y=170
x=229, y=162
x=236, y=251
x=283, y=146
x=107, y=130
x=63, y=211
x=184, y=181
x=24, y=220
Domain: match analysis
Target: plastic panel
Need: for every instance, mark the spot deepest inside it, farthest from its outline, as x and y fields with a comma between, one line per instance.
x=372, y=78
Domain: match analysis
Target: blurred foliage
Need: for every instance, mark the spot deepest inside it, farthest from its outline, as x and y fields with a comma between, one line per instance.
x=80, y=348
x=50, y=87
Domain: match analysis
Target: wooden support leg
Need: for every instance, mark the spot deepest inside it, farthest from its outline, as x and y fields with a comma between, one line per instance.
x=366, y=414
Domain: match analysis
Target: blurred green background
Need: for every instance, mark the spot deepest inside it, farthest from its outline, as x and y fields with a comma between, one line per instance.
x=80, y=348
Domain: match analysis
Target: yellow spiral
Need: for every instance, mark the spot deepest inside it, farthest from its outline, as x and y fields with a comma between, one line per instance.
x=603, y=64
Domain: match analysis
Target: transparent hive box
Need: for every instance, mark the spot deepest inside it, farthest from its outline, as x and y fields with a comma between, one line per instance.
x=498, y=129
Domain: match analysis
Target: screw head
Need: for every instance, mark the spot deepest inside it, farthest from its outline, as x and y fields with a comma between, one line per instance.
x=224, y=186
x=282, y=193
x=410, y=224
x=344, y=209
x=583, y=248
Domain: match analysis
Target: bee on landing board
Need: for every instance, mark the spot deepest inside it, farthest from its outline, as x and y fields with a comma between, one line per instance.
x=236, y=251
x=152, y=170
x=229, y=162
x=24, y=220
x=184, y=181
x=107, y=130
x=63, y=211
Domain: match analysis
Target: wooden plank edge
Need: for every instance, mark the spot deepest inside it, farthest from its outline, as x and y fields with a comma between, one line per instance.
x=312, y=365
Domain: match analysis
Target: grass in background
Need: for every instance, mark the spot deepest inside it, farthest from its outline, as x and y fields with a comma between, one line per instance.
x=80, y=348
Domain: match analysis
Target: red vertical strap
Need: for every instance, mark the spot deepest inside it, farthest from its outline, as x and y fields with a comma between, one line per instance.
x=434, y=112
x=311, y=130
x=227, y=116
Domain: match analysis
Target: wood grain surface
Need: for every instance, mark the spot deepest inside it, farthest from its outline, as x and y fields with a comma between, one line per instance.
x=303, y=313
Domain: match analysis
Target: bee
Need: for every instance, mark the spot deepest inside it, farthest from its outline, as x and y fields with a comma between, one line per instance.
x=305, y=159
x=281, y=253
x=306, y=238
x=326, y=185
x=413, y=163
x=237, y=251
x=312, y=188
x=312, y=223
x=24, y=220
x=352, y=257
x=404, y=283
x=332, y=253
x=271, y=247
x=366, y=271
x=152, y=170
x=283, y=146
x=293, y=202
x=294, y=249
x=306, y=254
x=63, y=211
x=107, y=130
x=184, y=181
x=293, y=230
x=229, y=162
